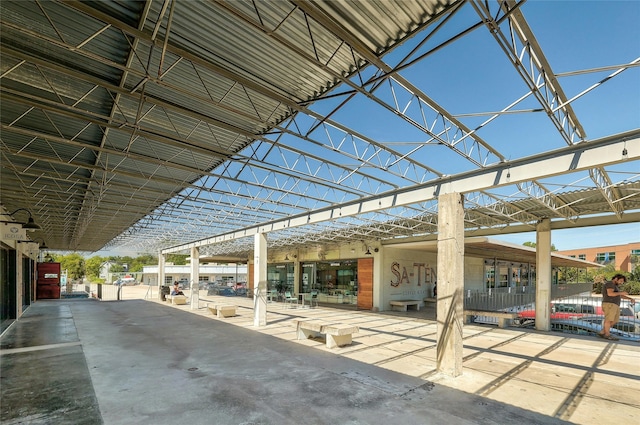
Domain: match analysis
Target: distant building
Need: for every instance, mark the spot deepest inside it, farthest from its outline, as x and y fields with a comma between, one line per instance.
x=624, y=257
x=228, y=274
x=105, y=270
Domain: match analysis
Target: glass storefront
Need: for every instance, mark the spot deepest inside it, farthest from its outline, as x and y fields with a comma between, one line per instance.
x=335, y=281
x=504, y=274
x=280, y=277
x=332, y=281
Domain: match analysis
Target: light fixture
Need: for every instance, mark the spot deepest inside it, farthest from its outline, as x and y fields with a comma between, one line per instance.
x=42, y=245
x=30, y=224
x=286, y=257
x=625, y=153
x=368, y=252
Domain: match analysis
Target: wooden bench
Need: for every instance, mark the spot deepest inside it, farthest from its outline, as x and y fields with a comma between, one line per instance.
x=221, y=310
x=504, y=317
x=337, y=335
x=404, y=304
x=177, y=299
x=430, y=300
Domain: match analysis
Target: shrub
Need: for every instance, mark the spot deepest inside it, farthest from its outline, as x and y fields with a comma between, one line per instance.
x=597, y=287
x=633, y=288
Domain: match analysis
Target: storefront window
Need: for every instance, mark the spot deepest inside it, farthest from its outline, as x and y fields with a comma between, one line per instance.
x=280, y=277
x=308, y=278
x=334, y=281
x=489, y=274
x=510, y=275
x=337, y=278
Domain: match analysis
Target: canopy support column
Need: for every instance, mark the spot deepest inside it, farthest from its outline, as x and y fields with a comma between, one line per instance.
x=260, y=280
x=543, y=275
x=450, y=283
x=195, y=278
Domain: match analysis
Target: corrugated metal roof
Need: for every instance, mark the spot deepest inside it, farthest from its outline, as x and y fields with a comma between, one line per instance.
x=163, y=122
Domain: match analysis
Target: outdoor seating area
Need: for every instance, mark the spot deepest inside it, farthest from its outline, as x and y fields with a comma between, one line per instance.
x=176, y=299
x=290, y=299
x=221, y=310
x=403, y=305
x=337, y=335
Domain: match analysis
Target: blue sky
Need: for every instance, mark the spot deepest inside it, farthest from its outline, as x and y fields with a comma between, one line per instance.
x=474, y=75
x=585, y=237
x=575, y=36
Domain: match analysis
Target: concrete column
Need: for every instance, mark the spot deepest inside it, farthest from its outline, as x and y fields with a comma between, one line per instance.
x=195, y=278
x=450, y=277
x=297, y=272
x=543, y=275
x=378, y=286
x=260, y=280
x=160, y=272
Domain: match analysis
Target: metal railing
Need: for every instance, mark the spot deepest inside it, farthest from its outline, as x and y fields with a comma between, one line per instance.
x=573, y=310
x=500, y=299
x=103, y=292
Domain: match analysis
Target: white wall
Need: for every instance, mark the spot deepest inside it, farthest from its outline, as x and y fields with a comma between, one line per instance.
x=413, y=274
x=406, y=275
x=474, y=273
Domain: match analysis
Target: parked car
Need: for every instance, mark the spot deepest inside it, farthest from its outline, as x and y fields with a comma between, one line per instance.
x=126, y=281
x=628, y=328
x=571, y=310
x=216, y=289
x=241, y=289
x=635, y=308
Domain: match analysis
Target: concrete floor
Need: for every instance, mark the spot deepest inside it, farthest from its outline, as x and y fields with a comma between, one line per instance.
x=146, y=362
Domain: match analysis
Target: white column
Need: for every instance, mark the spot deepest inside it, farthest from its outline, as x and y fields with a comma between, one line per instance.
x=450, y=278
x=195, y=278
x=160, y=272
x=378, y=285
x=260, y=280
x=543, y=274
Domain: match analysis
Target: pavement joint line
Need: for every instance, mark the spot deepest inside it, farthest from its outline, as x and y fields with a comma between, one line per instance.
x=38, y=348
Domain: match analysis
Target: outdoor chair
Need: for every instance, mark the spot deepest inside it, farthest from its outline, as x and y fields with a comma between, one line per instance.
x=313, y=298
x=290, y=299
x=272, y=295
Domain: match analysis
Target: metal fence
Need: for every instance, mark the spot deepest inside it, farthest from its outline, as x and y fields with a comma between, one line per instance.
x=573, y=310
x=501, y=299
x=104, y=292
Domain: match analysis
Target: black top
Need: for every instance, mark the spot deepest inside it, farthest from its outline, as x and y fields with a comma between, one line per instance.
x=606, y=298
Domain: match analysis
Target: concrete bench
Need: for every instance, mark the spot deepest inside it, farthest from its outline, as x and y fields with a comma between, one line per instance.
x=504, y=317
x=404, y=304
x=221, y=310
x=177, y=299
x=337, y=335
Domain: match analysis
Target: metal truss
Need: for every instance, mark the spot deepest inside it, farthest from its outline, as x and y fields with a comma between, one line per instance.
x=185, y=146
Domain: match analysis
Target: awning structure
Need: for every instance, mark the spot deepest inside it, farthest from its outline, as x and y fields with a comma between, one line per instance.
x=147, y=125
x=482, y=247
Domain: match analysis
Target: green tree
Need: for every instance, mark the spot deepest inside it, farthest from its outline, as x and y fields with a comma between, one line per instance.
x=533, y=245
x=92, y=266
x=138, y=263
x=73, y=264
x=116, y=268
x=177, y=259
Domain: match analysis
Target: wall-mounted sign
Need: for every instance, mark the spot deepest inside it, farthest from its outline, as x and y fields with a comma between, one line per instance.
x=13, y=232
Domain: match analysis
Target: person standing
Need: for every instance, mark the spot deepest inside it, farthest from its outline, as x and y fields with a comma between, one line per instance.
x=611, y=296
